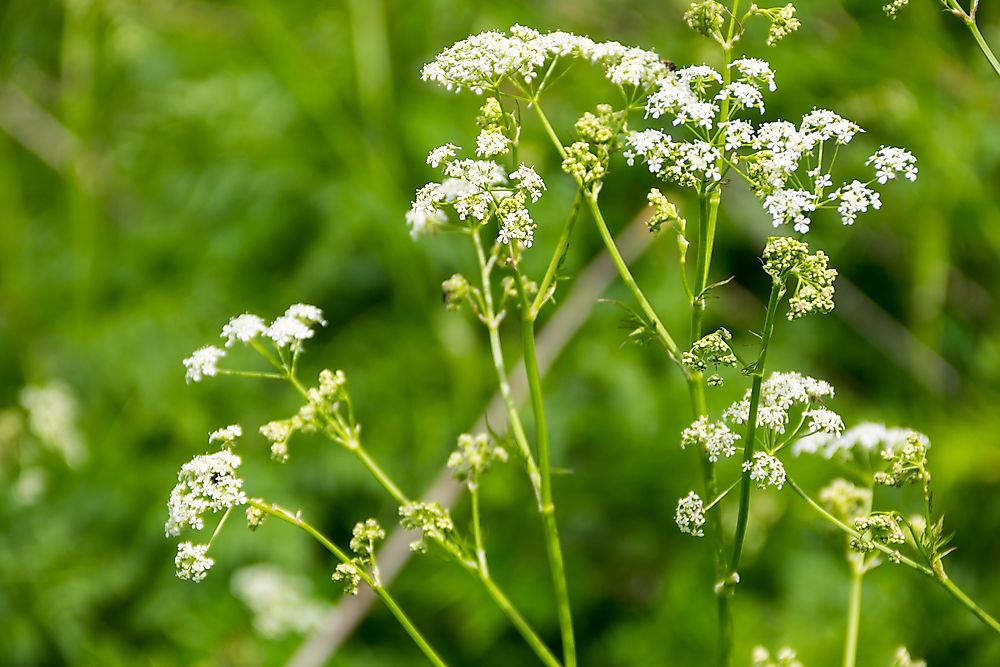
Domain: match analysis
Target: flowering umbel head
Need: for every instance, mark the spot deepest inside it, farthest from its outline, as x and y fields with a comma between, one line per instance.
x=786, y=258
x=474, y=456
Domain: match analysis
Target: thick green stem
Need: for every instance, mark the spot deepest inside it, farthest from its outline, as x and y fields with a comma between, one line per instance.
x=382, y=593
x=854, y=613
x=552, y=544
x=751, y=432
x=496, y=350
x=970, y=23
x=708, y=212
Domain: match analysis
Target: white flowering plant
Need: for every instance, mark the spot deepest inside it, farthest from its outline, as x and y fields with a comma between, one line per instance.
x=696, y=130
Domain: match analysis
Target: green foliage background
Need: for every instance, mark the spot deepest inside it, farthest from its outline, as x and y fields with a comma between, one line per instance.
x=181, y=161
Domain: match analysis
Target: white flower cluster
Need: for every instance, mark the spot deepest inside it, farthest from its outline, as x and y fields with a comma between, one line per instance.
x=822, y=420
x=766, y=470
x=295, y=326
x=478, y=189
x=890, y=161
x=689, y=96
x=192, y=561
x=484, y=61
x=785, y=657
x=690, y=515
x=52, y=416
x=867, y=438
x=280, y=603
x=687, y=162
x=207, y=483
x=716, y=438
x=780, y=392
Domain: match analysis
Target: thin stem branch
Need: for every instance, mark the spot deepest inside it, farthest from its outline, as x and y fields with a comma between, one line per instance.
x=539, y=647
x=496, y=350
x=562, y=245
x=590, y=195
x=382, y=593
x=477, y=530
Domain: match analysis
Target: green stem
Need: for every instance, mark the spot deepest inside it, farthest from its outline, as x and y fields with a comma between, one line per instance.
x=968, y=602
x=496, y=350
x=539, y=647
x=626, y=276
x=891, y=553
x=895, y=556
x=382, y=593
x=548, y=510
x=983, y=46
x=708, y=212
x=560, y=252
x=477, y=530
x=751, y=433
x=853, y=613
x=591, y=197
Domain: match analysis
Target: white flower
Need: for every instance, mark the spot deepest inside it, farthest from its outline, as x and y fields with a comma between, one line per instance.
x=308, y=314
x=52, y=416
x=441, y=154
x=484, y=60
x=635, y=67
x=492, y=142
x=866, y=437
x=243, y=328
x=779, y=392
x=280, y=603
x=192, y=561
x=529, y=181
x=890, y=161
x=822, y=420
x=207, y=483
x=786, y=206
x=227, y=435
x=516, y=225
x=421, y=222
x=698, y=76
x=676, y=97
x=755, y=70
x=822, y=124
x=716, y=438
x=766, y=470
x=203, y=362
x=746, y=95
x=690, y=515
x=286, y=330
x=739, y=133
x=855, y=198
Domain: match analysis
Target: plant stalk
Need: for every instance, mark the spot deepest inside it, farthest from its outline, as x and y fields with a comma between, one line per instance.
x=382, y=593
x=552, y=545
x=751, y=432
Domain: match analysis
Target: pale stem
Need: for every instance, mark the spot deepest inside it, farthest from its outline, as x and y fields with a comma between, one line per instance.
x=496, y=350
x=477, y=530
x=382, y=593
x=854, y=612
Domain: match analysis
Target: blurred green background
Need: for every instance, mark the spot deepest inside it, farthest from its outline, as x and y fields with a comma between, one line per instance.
x=166, y=164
